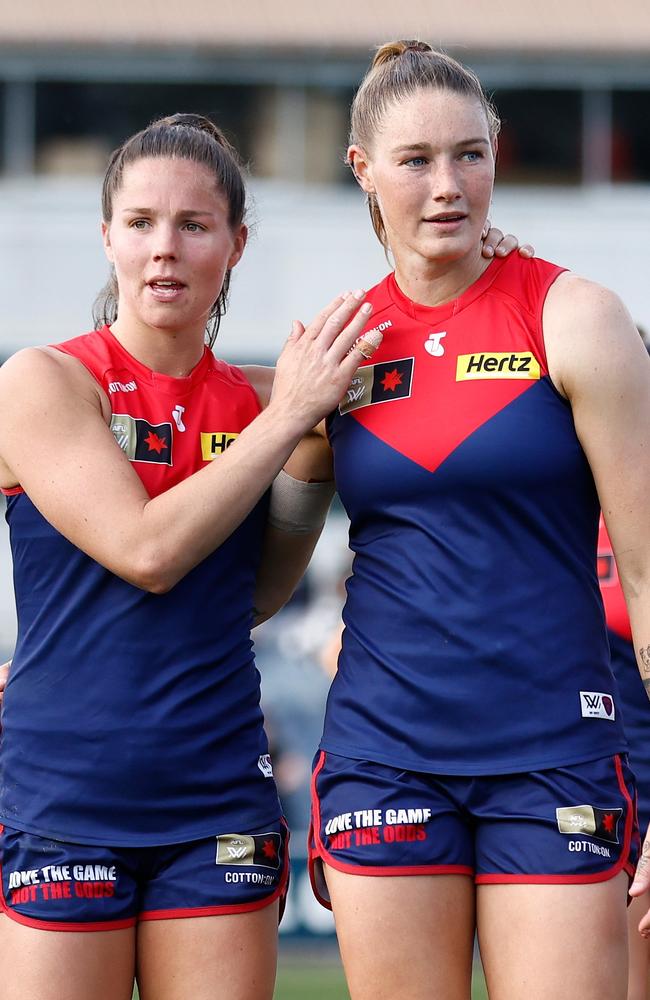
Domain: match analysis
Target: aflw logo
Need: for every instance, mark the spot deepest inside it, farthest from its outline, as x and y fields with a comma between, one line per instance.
x=596, y=705
x=499, y=365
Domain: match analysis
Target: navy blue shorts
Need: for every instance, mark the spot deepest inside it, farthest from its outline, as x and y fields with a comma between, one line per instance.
x=53, y=885
x=572, y=824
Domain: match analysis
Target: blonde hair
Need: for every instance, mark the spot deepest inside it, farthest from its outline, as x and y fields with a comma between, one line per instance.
x=397, y=71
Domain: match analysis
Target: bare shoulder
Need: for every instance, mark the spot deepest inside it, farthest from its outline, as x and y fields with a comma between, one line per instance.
x=261, y=378
x=588, y=331
x=41, y=369
x=45, y=389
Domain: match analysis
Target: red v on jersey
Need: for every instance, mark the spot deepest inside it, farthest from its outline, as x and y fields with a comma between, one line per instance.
x=477, y=370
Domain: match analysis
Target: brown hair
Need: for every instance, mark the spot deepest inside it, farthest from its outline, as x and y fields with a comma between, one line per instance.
x=396, y=72
x=183, y=137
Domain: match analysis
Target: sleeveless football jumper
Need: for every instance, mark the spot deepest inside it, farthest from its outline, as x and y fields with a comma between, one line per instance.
x=474, y=638
x=132, y=718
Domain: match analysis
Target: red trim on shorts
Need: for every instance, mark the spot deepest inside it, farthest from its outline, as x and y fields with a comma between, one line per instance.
x=623, y=863
x=222, y=911
x=11, y=491
x=55, y=925
x=318, y=852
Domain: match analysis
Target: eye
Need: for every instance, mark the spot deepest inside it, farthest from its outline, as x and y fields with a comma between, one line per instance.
x=473, y=155
x=416, y=161
x=139, y=224
x=194, y=227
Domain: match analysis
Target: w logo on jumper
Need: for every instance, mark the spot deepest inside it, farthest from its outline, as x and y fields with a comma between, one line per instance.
x=379, y=384
x=141, y=441
x=596, y=705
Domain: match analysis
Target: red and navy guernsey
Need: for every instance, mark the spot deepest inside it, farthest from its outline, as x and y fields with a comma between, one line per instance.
x=474, y=637
x=132, y=718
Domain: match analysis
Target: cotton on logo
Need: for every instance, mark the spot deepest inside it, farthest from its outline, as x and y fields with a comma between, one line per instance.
x=433, y=346
x=596, y=705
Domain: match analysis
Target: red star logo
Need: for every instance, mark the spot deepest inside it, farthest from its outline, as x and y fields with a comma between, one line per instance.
x=155, y=443
x=608, y=822
x=269, y=850
x=391, y=380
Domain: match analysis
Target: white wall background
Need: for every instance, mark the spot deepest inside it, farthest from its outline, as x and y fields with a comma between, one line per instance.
x=307, y=245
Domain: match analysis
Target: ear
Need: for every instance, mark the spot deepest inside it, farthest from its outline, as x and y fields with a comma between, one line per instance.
x=360, y=163
x=495, y=147
x=240, y=239
x=106, y=239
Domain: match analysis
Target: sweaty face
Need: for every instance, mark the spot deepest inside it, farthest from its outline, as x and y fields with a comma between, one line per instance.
x=171, y=244
x=431, y=167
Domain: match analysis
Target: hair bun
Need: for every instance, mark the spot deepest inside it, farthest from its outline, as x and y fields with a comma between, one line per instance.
x=393, y=50
x=198, y=122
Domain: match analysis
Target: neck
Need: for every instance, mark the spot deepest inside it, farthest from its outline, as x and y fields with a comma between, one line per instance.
x=435, y=282
x=168, y=352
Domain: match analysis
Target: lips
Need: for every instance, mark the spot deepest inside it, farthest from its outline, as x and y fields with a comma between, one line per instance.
x=165, y=283
x=446, y=218
x=165, y=289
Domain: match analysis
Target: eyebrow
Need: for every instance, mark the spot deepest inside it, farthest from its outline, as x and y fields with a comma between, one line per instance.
x=422, y=146
x=183, y=211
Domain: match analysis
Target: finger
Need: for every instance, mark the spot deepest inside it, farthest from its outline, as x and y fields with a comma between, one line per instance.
x=506, y=246
x=341, y=319
x=486, y=229
x=316, y=326
x=297, y=330
x=527, y=250
x=367, y=344
x=342, y=343
x=641, y=881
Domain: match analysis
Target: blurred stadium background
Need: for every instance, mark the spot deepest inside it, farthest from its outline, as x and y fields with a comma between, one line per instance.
x=571, y=79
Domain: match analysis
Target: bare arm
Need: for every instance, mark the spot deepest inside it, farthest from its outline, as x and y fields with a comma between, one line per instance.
x=597, y=359
x=57, y=446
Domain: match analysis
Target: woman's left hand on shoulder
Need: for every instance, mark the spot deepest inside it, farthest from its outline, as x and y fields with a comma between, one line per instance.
x=495, y=244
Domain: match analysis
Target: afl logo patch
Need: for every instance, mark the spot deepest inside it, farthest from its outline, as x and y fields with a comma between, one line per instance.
x=589, y=820
x=141, y=441
x=379, y=384
x=507, y=364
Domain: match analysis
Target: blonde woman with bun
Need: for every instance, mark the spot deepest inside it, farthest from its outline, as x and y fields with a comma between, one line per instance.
x=472, y=772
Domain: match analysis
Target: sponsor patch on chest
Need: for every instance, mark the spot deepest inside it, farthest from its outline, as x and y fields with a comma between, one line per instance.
x=141, y=441
x=214, y=443
x=381, y=383
x=499, y=364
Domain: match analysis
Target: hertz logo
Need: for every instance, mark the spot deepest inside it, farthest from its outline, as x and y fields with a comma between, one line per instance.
x=215, y=444
x=500, y=365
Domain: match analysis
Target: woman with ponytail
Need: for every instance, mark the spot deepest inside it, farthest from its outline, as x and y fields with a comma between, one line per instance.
x=472, y=772
x=142, y=832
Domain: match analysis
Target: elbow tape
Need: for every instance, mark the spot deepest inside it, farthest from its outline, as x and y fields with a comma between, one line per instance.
x=298, y=507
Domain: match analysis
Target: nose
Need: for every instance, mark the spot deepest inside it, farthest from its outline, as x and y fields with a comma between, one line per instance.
x=165, y=245
x=446, y=182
